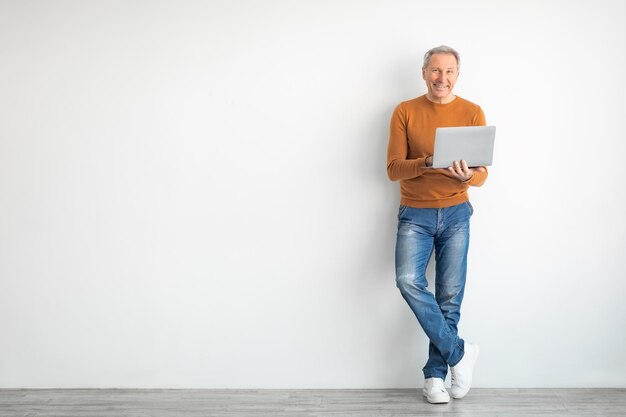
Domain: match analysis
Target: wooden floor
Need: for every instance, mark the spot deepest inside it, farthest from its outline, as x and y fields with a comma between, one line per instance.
x=278, y=403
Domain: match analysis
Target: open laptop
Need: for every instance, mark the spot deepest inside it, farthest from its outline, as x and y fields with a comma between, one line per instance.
x=474, y=144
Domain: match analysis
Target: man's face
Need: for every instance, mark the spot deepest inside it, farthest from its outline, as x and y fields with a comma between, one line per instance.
x=440, y=76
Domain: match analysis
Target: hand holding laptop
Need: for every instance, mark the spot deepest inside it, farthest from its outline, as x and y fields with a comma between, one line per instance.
x=462, y=171
x=459, y=169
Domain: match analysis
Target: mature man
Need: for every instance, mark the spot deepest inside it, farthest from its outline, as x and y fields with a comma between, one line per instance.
x=434, y=215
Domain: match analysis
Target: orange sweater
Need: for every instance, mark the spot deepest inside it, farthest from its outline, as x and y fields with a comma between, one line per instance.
x=412, y=139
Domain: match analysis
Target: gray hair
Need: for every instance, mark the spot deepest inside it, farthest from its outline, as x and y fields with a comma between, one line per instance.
x=443, y=49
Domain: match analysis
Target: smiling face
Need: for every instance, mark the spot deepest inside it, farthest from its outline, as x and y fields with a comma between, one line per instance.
x=440, y=76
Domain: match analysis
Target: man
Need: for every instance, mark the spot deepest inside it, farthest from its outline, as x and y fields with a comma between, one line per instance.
x=434, y=215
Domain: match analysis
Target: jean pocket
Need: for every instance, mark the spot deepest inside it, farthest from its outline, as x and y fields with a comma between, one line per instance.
x=470, y=207
x=401, y=211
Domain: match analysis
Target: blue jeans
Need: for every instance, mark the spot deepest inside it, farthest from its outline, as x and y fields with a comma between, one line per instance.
x=446, y=231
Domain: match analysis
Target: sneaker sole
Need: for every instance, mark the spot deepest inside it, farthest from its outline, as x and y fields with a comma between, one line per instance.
x=435, y=401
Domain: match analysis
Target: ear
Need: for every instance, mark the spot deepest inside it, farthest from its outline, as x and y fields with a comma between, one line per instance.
x=424, y=74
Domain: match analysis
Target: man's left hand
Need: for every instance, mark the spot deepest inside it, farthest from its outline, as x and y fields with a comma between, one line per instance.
x=461, y=171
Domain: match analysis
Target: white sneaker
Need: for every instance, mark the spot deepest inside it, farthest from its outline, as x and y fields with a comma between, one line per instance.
x=462, y=371
x=435, y=392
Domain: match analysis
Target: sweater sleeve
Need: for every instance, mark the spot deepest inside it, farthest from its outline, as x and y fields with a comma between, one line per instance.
x=398, y=167
x=479, y=177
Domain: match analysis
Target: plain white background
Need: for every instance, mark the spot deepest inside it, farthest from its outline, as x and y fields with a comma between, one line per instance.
x=194, y=194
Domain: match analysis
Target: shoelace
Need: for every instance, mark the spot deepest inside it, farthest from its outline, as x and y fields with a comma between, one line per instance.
x=453, y=378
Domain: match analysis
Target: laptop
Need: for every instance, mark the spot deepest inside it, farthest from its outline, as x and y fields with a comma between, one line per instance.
x=474, y=144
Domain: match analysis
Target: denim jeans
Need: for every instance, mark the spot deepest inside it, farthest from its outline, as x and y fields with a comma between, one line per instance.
x=446, y=231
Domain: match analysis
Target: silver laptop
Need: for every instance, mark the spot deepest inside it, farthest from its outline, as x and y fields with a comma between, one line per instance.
x=474, y=144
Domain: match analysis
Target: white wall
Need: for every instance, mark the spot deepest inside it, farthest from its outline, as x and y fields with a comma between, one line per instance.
x=194, y=194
